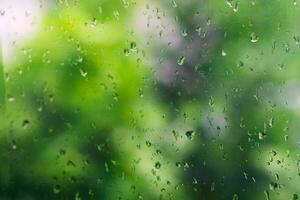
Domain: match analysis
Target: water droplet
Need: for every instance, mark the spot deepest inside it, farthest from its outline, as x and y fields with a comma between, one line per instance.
x=190, y=134
x=235, y=197
x=77, y=196
x=267, y=195
x=99, y=180
x=174, y=4
x=148, y=143
x=25, y=123
x=126, y=3
x=253, y=37
x=157, y=165
x=271, y=123
x=80, y=59
x=296, y=39
x=141, y=92
x=295, y=196
x=2, y=12
x=56, y=189
x=11, y=98
x=212, y=187
x=229, y=3
x=62, y=152
x=133, y=47
x=71, y=163
x=211, y=101
x=184, y=33
x=27, y=13
x=13, y=144
x=199, y=30
x=116, y=14
x=51, y=97
x=223, y=53
x=83, y=73
x=115, y=96
x=126, y=52
x=236, y=7
x=241, y=64
x=273, y=186
x=208, y=21
x=180, y=60
x=262, y=136
x=40, y=109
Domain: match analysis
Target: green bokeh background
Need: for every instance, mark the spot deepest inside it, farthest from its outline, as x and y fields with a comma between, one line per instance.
x=86, y=114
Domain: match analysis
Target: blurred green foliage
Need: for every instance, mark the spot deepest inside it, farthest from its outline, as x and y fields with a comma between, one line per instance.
x=88, y=114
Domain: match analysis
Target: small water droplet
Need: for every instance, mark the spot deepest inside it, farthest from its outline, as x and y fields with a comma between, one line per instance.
x=141, y=92
x=208, y=21
x=253, y=37
x=262, y=136
x=27, y=13
x=13, y=144
x=273, y=186
x=148, y=143
x=25, y=123
x=116, y=14
x=157, y=165
x=11, y=98
x=223, y=53
x=190, y=134
x=62, y=152
x=80, y=59
x=241, y=64
x=296, y=39
x=235, y=197
x=133, y=47
x=199, y=31
x=174, y=4
x=295, y=197
x=267, y=195
x=229, y=3
x=40, y=109
x=2, y=12
x=295, y=2
x=56, y=189
x=184, y=33
x=212, y=187
x=236, y=7
x=126, y=51
x=271, y=123
x=71, y=163
x=181, y=60
x=83, y=73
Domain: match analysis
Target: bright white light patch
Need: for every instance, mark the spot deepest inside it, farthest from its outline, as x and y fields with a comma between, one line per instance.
x=18, y=22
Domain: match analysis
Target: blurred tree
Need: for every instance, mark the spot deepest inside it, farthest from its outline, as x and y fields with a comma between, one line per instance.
x=93, y=111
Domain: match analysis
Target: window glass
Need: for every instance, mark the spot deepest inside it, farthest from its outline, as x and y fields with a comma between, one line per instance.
x=149, y=99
